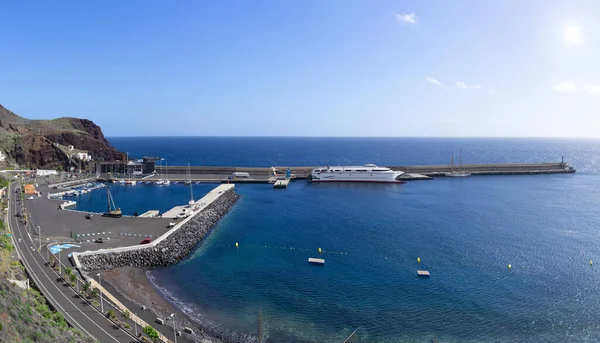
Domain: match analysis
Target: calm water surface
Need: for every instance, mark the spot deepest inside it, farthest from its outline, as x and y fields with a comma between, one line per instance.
x=466, y=232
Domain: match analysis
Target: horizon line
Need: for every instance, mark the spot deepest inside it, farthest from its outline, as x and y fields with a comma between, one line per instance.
x=414, y=137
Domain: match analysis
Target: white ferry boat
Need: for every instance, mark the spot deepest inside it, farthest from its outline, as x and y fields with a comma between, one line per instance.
x=366, y=173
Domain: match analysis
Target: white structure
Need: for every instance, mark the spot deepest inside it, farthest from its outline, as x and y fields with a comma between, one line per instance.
x=2, y=156
x=70, y=147
x=42, y=172
x=366, y=173
x=82, y=156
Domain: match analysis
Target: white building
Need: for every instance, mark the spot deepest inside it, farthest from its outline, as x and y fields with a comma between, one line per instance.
x=43, y=172
x=2, y=156
x=82, y=156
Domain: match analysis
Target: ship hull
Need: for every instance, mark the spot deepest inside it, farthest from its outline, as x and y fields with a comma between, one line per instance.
x=367, y=173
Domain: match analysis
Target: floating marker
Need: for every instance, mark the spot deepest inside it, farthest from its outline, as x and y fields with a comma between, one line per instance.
x=509, y=266
x=418, y=260
x=236, y=244
x=591, y=262
x=320, y=250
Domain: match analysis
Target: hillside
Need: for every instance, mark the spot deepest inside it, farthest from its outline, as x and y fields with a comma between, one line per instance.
x=30, y=143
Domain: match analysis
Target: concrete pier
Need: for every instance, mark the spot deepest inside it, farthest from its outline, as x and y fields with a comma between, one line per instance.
x=424, y=172
x=171, y=247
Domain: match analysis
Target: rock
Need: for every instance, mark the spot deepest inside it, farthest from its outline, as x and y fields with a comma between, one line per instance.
x=174, y=248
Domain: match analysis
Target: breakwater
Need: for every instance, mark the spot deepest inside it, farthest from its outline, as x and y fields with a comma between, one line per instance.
x=173, y=246
x=301, y=172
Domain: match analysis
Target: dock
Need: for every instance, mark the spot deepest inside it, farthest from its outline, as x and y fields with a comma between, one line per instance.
x=281, y=183
x=318, y=261
x=213, y=174
x=423, y=273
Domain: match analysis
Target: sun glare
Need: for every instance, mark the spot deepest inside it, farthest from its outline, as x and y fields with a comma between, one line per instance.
x=572, y=34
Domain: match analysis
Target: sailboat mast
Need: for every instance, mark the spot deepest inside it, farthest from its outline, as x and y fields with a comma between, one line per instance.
x=452, y=161
x=459, y=160
x=191, y=189
x=108, y=198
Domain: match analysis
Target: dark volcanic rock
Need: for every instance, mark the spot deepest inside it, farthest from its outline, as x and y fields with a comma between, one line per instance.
x=30, y=142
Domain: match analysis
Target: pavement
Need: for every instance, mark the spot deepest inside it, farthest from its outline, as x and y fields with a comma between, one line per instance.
x=64, y=226
x=56, y=227
x=62, y=297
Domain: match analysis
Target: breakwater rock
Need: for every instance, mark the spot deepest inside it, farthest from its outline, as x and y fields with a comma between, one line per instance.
x=172, y=249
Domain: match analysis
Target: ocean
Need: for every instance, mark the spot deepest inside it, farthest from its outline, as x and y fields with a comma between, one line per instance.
x=465, y=231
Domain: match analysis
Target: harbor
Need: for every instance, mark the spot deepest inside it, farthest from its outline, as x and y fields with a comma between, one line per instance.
x=120, y=172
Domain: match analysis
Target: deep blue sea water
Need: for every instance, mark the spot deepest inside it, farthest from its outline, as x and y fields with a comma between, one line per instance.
x=466, y=231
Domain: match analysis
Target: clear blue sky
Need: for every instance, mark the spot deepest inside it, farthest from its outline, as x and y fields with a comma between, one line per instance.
x=306, y=68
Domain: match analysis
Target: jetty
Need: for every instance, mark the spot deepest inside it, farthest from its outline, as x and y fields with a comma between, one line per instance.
x=225, y=174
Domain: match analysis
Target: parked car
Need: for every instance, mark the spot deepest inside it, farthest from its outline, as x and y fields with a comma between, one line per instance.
x=100, y=240
x=89, y=216
x=146, y=241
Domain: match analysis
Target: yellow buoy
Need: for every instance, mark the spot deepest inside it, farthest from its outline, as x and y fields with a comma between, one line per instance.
x=509, y=266
x=236, y=244
x=418, y=260
x=320, y=250
x=591, y=262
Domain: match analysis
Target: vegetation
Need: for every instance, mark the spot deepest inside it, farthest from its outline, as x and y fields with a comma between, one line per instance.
x=126, y=314
x=26, y=317
x=94, y=293
x=111, y=314
x=151, y=332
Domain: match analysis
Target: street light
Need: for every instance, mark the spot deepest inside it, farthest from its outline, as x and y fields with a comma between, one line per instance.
x=101, y=302
x=40, y=237
x=174, y=332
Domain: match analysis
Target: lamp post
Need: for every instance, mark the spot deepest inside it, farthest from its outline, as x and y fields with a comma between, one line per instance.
x=101, y=301
x=135, y=323
x=40, y=237
x=59, y=267
x=174, y=331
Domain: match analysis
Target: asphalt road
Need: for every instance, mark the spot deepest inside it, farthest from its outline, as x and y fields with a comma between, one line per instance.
x=76, y=311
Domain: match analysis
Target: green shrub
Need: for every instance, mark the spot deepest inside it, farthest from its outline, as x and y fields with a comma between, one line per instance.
x=151, y=332
x=127, y=326
x=111, y=314
x=0, y=326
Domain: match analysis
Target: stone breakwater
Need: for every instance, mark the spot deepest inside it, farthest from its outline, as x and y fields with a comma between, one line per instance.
x=171, y=250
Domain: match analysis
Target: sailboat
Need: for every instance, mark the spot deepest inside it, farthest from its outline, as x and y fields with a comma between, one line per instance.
x=458, y=173
x=160, y=181
x=191, y=202
x=167, y=182
x=112, y=212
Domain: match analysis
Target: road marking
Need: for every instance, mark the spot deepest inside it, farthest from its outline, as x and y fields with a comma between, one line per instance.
x=60, y=291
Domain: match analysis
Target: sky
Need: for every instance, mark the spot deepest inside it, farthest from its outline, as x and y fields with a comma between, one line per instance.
x=498, y=68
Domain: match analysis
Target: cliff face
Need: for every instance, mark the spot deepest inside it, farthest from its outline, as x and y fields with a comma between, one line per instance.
x=31, y=143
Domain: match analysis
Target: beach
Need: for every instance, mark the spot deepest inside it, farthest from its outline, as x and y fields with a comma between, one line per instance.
x=133, y=288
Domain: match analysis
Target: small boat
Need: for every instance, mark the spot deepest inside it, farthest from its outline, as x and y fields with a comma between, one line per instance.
x=160, y=182
x=113, y=211
x=459, y=173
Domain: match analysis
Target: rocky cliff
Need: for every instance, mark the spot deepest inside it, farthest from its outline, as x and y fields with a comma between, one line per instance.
x=40, y=143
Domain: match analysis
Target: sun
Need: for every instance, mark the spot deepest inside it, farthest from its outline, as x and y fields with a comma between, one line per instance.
x=572, y=34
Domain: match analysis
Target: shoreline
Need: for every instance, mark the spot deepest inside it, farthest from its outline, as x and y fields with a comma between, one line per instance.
x=134, y=288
